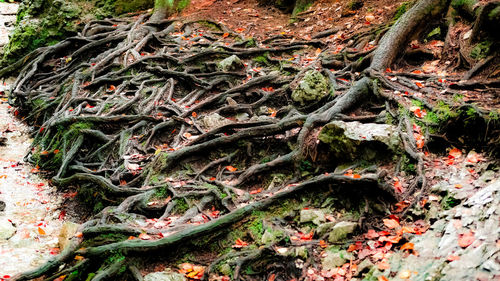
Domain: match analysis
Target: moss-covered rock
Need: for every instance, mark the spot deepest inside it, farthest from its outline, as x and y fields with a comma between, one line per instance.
x=353, y=140
x=313, y=87
x=45, y=22
x=230, y=63
x=341, y=230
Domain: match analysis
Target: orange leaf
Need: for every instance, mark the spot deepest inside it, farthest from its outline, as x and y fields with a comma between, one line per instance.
x=225, y=35
x=307, y=236
x=41, y=231
x=323, y=244
x=231, y=168
x=382, y=278
x=466, y=239
x=407, y=246
x=455, y=153
x=45, y=152
x=419, y=84
x=356, y=176
x=111, y=88
x=391, y=223
x=79, y=258
x=144, y=236
x=255, y=191
x=194, y=114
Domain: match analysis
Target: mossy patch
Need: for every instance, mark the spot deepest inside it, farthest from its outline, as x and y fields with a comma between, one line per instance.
x=313, y=87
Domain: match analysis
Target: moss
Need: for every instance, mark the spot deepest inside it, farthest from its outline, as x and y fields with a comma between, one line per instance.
x=449, y=202
x=338, y=142
x=401, y=10
x=301, y=6
x=494, y=15
x=354, y=5
x=262, y=59
x=251, y=43
x=46, y=22
x=481, y=50
x=181, y=206
x=313, y=87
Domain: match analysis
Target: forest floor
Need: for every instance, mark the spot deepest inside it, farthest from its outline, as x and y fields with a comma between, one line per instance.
x=451, y=230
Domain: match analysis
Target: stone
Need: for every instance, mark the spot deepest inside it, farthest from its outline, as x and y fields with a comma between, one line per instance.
x=214, y=120
x=341, y=230
x=312, y=215
x=300, y=252
x=324, y=228
x=364, y=266
x=313, y=87
x=7, y=230
x=2, y=206
x=333, y=260
x=230, y=63
x=164, y=276
x=68, y=230
x=242, y=117
x=354, y=140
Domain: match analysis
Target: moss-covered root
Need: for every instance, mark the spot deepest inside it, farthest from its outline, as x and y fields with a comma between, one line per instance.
x=165, y=8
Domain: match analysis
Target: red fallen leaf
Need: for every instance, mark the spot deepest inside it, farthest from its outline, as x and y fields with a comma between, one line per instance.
x=401, y=206
x=111, y=88
x=458, y=186
x=239, y=244
x=307, y=236
x=407, y=246
x=453, y=258
x=371, y=234
x=194, y=114
x=391, y=223
x=225, y=35
x=420, y=113
x=466, y=239
x=231, y=168
x=62, y=215
x=356, y=176
x=212, y=178
x=382, y=278
x=356, y=246
x=473, y=157
x=56, y=151
x=393, y=239
x=398, y=186
x=54, y=251
x=6, y=276
x=383, y=233
x=419, y=84
x=455, y=153
x=256, y=191
x=388, y=70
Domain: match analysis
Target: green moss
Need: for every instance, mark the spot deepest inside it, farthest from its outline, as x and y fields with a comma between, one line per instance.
x=494, y=15
x=262, y=59
x=481, y=50
x=181, y=206
x=313, y=87
x=449, y=202
x=354, y=5
x=405, y=6
x=301, y=6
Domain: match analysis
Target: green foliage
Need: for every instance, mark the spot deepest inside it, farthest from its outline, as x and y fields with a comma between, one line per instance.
x=262, y=59
x=181, y=206
x=481, y=50
x=405, y=6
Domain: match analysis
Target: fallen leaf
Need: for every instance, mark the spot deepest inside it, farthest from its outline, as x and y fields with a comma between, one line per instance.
x=407, y=246
x=455, y=153
x=405, y=274
x=453, y=258
x=239, y=244
x=194, y=114
x=231, y=168
x=466, y=239
x=41, y=231
x=382, y=278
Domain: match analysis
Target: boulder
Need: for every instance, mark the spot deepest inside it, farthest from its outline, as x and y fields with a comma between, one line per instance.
x=230, y=64
x=7, y=230
x=341, y=230
x=354, y=140
x=313, y=87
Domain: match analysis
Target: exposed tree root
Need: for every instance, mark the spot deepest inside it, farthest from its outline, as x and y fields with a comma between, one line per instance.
x=137, y=114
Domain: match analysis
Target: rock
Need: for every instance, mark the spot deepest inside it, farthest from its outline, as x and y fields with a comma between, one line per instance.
x=230, y=63
x=313, y=87
x=242, y=117
x=324, y=228
x=364, y=266
x=312, y=215
x=333, y=260
x=271, y=236
x=354, y=140
x=2, y=206
x=68, y=230
x=226, y=269
x=7, y=230
x=341, y=230
x=301, y=252
x=164, y=276
x=214, y=120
